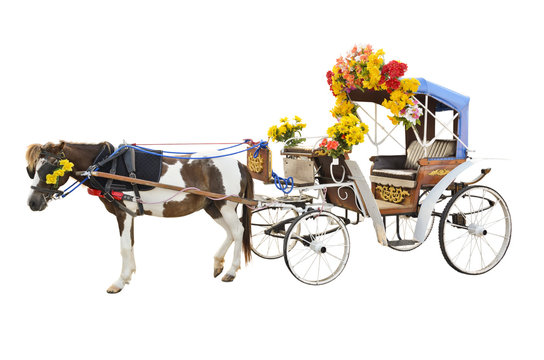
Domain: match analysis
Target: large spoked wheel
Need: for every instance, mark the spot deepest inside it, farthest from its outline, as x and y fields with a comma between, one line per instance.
x=268, y=228
x=400, y=232
x=475, y=230
x=316, y=247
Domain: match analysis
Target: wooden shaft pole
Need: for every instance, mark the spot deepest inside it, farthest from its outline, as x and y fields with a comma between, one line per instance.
x=213, y=196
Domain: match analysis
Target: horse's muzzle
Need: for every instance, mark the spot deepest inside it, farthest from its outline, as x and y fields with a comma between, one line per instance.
x=37, y=203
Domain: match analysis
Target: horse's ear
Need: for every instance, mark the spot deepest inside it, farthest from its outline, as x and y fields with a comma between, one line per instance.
x=32, y=155
x=54, y=148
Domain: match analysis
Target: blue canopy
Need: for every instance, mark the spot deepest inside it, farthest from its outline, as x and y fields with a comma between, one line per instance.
x=450, y=100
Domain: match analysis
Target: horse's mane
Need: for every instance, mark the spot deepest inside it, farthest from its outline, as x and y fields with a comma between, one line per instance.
x=32, y=154
x=34, y=151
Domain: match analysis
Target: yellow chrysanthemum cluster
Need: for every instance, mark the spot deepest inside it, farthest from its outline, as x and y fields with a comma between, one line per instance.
x=343, y=106
x=65, y=166
x=348, y=131
x=373, y=66
x=287, y=130
x=398, y=99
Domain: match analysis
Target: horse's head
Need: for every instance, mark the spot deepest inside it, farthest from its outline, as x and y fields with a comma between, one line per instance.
x=48, y=167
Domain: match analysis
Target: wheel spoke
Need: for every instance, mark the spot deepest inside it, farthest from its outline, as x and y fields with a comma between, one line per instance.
x=262, y=217
x=305, y=257
x=467, y=241
x=328, y=265
x=452, y=240
x=334, y=256
x=460, y=212
x=309, y=267
x=491, y=247
x=494, y=222
x=467, y=267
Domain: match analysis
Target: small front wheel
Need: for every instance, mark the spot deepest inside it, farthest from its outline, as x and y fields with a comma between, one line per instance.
x=316, y=247
x=475, y=230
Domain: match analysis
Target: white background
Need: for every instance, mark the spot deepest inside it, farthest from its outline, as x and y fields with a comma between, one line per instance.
x=170, y=71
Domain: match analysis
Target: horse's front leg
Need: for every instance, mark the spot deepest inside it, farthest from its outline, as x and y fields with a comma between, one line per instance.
x=126, y=229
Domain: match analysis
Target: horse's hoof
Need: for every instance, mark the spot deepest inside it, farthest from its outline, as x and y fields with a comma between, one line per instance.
x=113, y=289
x=217, y=271
x=228, y=278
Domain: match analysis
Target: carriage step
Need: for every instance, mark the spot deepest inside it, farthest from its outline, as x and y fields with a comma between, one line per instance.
x=402, y=242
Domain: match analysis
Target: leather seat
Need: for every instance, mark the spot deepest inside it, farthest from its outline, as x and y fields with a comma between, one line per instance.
x=401, y=170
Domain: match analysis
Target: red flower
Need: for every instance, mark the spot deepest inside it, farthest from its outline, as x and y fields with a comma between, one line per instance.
x=393, y=83
x=332, y=145
x=394, y=69
x=323, y=143
x=329, y=77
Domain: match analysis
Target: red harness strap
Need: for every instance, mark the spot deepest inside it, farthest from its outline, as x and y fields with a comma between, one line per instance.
x=116, y=194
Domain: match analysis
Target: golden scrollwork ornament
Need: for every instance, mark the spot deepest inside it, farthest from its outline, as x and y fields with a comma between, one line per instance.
x=255, y=164
x=439, y=172
x=392, y=194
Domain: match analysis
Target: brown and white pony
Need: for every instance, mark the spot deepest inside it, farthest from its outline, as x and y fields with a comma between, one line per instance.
x=220, y=175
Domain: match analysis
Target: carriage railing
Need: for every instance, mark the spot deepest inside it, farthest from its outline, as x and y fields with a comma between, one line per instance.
x=389, y=134
x=445, y=126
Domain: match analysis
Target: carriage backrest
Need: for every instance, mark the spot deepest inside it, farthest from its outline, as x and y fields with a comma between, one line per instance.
x=438, y=149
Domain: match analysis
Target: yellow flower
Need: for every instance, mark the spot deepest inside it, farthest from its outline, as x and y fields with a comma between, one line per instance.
x=272, y=132
x=66, y=165
x=393, y=120
x=364, y=128
x=409, y=85
x=337, y=87
x=51, y=179
x=297, y=119
x=331, y=131
x=58, y=172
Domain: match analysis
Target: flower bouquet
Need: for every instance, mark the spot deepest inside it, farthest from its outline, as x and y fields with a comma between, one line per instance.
x=288, y=131
x=364, y=69
x=343, y=135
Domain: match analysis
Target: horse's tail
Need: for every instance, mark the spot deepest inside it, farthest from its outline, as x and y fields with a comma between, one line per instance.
x=246, y=214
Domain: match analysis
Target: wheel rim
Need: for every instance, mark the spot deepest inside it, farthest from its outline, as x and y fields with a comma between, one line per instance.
x=320, y=250
x=475, y=230
x=269, y=246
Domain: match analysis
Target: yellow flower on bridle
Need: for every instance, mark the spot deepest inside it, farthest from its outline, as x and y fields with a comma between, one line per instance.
x=64, y=166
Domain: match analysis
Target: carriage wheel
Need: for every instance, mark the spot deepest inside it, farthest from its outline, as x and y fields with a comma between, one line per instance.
x=403, y=239
x=475, y=230
x=319, y=247
x=266, y=241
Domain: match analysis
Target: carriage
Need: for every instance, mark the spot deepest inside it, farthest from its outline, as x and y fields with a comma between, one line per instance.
x=405, y=194
x=407, y=191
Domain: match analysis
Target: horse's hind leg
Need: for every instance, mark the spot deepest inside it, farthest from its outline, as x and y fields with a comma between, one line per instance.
x=219, y=257
x=228, y=211
x=126, y=229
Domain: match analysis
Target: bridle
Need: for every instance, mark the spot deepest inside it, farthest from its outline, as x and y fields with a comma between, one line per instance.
x=46, y=169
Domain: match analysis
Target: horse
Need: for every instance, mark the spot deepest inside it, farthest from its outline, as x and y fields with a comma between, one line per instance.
x=219, y=175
